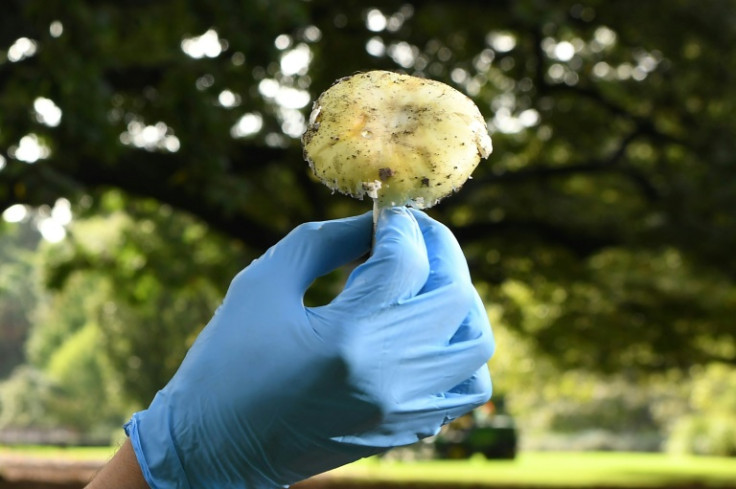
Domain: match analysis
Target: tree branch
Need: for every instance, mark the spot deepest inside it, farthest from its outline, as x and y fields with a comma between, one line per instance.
x=581, y=242
x=611, y=163
x=132, y=174
x=137, y=172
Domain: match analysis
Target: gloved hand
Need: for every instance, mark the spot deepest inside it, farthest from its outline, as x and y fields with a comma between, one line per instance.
x=273, y=392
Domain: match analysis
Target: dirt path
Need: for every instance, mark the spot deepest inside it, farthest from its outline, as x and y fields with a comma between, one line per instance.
x=21, y=472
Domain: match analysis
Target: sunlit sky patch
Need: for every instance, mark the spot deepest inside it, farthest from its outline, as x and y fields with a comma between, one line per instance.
x=56, y=28
x=459, y=75
x=296, y=61
x=15, y=213
x=312, y=33
x=403, y=54
x=62, y=212
x=293, y=123
x=564, y=51
x=50, y=222
x=51, y=230
x=289, y=101
x=286, y=90
x=603, y=37
x=377, y=21
x=30, y=149
x=22, y=48
x=501, y=42
x=247, y=125
x=282, y=41
x=292, y=98
x=507, y=119
x=375, y=47
x=275, y=140
x=204, y=82
x=52, y=225
x=228, y=99
x=207, y=45
x=284, y=96
x=506, y=122
x=47, y=112
x=155, y=137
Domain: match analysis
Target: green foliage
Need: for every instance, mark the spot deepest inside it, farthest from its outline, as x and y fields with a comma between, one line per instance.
x=69, y=382
x=23, y=399
x=704, y=435
x=643, y=306
x=152, y=279
x=577, y=409
x=58, y=318
x=89, y=394
x=79, y=395
x=19, y=292
x=710, y=427
x=130, y=289
x=682, y=412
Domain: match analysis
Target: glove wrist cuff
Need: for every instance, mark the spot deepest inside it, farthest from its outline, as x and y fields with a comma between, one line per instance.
x=159, y=461
x=169, y=473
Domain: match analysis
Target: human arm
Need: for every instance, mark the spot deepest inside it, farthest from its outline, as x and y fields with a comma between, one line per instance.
x=121, y=472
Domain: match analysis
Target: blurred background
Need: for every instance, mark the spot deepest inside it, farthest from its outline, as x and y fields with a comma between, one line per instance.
x=150, y=150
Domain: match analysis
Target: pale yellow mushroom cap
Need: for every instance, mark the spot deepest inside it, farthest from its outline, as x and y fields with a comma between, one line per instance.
x=399, y=139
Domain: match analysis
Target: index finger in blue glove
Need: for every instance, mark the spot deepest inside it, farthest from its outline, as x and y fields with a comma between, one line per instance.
x=446, y=257
x=448, y=294
x=397, y=269
x=448, y=318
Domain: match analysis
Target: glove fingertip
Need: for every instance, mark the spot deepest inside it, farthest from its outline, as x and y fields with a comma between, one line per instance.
x=398, y=267
x=395, y=219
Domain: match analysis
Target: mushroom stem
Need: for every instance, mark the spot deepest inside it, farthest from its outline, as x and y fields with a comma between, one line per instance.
x=376, y=212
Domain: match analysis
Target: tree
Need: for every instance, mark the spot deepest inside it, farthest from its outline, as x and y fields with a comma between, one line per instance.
x=710, y=426
x=138, y=286
x=19, y=291
x=603, y=222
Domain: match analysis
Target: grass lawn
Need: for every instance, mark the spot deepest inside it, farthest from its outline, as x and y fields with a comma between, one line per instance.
x=59, y=453
x=538, y=469
x=586, y=469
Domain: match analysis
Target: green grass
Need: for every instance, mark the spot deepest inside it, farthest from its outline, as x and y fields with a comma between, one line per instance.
x=538, y=469
x=56, y=453
x=555, y=469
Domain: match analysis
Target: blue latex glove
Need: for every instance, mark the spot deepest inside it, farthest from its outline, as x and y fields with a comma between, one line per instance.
x=273, y=392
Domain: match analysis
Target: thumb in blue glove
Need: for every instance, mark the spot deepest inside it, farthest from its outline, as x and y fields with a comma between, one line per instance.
x=273, y=392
